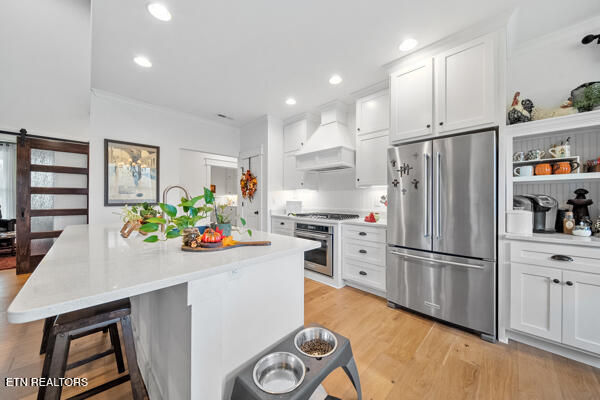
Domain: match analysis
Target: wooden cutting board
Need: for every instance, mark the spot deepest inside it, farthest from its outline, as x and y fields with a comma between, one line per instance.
x=237, y=244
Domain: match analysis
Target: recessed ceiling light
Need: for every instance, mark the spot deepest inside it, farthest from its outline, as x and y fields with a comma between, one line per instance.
x=408, y=44
x=291, y=101
x=142, y=61
x=335, y=80
x=159, y=11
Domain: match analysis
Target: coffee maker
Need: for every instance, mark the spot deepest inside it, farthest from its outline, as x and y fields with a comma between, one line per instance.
x=544, y=210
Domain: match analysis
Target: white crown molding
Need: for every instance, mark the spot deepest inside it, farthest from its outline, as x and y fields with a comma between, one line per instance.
x=299, y=117
x=369, y=90
x=549, y=39
x=155, y=107
x=335, y=103
x=484, y=27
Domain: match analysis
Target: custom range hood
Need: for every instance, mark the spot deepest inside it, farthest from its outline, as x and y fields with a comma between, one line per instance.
x=331, y=147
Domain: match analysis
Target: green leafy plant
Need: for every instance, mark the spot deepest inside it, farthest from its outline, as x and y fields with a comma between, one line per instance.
x=175, y=224
x=147, y=211
x=589, y=99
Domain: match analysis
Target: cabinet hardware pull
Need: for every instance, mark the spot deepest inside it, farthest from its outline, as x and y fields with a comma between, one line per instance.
x=363, y=273
x=361, y=251
x=358, y=179
x=255, y=212
x=362, y=233
x=569, y=283
x=282, y=223
x=358, y=129
x=441, y=123
x=555, y=280
x=560, y=257
x=429, y=125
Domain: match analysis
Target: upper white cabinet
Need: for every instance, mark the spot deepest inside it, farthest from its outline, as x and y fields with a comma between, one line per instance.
x=412, y=101
x=371, y=158
x=295, y=135
x=372, y=139
x=465, y=85
x=373, y=112
x=459, y=84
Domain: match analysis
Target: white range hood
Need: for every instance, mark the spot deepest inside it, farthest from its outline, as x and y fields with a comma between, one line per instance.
x=331, y=147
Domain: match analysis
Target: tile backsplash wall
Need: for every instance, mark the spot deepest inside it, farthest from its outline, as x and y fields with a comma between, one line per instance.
x=337, y=191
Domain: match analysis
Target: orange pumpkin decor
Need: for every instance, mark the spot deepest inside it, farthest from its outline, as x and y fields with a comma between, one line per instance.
x=248, y=185
x=212, y=235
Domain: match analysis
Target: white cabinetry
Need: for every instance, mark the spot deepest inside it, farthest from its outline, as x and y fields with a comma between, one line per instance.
x=555, y=293
x=460, y=84
x=465, y=85
x=363, y=256
x=581, y=310
x=282, y=226
x=372, y=140
x=373, y=112
x=412, y=101
x=295, y=135
x=536, y=301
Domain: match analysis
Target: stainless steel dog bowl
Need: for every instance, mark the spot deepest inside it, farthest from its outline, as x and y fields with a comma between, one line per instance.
x=279, y=373
x=315, y=332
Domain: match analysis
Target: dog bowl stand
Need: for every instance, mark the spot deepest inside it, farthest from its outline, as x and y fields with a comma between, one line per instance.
x=316, y=371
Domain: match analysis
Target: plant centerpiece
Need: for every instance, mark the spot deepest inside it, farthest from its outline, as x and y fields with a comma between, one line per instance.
x=185, y=224
x=135, y=217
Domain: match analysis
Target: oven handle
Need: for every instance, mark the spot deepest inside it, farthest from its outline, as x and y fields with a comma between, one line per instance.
x=457, y=264
x=307, y=235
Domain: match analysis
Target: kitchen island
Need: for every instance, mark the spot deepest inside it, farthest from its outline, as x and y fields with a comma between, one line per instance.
x=197, y=317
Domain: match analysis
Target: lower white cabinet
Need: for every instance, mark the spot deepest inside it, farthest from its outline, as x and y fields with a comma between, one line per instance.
x=282, y=226
x=559, y=298
x=581, y=310
x=536, y=300
x=363, y=256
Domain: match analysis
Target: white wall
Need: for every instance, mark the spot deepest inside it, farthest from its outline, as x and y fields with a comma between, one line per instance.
x=114, y=117
x=546, y=68
x=45, y=67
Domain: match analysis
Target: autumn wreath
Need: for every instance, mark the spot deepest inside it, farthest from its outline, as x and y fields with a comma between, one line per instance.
x=248, y=185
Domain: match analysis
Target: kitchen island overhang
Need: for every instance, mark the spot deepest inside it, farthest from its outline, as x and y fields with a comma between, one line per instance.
x=196, y=317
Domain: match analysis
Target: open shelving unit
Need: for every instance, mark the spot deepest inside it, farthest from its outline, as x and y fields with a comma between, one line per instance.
x=554, y=178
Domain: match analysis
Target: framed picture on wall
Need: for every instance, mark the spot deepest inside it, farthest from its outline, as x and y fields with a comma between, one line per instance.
x=131, y=172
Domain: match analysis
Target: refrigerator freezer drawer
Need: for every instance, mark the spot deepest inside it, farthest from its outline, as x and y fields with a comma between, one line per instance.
x=454, y=289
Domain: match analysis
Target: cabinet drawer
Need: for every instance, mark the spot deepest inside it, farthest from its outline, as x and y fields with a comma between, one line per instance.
x=556, y=255
x=364, y=233
x=368, y=275
x=279, y=231
x=369, y=252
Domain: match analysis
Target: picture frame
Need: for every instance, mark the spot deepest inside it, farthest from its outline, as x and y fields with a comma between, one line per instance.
x=131, y=173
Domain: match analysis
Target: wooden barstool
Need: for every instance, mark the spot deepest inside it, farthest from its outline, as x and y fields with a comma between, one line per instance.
x=70, y=326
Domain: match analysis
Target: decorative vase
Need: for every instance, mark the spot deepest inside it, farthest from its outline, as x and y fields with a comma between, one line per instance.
x=226, y=228
x=129, y=227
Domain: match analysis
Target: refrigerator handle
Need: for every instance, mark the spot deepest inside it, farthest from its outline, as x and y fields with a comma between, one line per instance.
x=428, y=194
x=438, y=200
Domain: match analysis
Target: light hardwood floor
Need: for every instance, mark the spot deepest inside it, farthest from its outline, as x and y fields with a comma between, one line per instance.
x=399, y=355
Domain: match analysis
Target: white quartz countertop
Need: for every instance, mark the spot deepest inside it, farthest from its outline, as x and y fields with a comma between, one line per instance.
x=92, y=264
x=559, y=238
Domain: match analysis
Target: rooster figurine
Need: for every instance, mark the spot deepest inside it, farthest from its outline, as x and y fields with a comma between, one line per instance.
x=517, y=113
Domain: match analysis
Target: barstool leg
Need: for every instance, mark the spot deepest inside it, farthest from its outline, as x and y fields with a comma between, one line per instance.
x=116, y=344
x=47, y=360
x=58, y=364
x=352, y=372
x=137, y=384
x=48, y=322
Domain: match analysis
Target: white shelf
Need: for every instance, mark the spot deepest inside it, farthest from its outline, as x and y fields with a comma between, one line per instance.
x=545, y=160
x=553, y=125
x=554, y=178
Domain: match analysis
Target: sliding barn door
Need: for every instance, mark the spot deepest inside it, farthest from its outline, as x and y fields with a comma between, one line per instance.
x=52, y=193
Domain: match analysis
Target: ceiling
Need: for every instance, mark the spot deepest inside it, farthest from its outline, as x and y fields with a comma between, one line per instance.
x=244, y=58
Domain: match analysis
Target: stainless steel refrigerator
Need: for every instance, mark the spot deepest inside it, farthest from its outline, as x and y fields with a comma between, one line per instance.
x=441, y=255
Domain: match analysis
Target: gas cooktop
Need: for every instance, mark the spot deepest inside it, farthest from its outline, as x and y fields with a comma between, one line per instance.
x=331, y=216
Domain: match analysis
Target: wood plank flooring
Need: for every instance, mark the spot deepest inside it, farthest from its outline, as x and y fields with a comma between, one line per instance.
x=399, y=355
